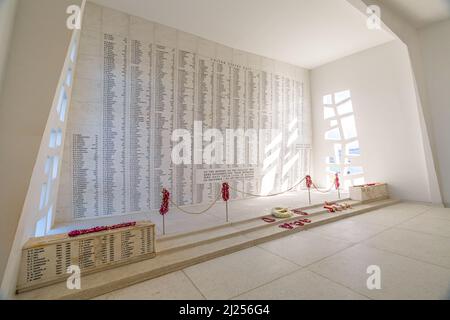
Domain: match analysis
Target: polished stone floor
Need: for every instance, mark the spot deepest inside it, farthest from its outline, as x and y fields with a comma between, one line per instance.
x=410, y=243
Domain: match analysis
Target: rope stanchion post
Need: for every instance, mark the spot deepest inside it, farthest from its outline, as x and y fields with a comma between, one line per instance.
x=164, y=207
x=337, y=184
x=226, y=197
x=309, y=183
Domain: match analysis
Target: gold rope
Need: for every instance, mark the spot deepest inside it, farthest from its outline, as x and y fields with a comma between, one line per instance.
x=195, y=213
x=321, y=191
x=245, y=193
x=269, y=195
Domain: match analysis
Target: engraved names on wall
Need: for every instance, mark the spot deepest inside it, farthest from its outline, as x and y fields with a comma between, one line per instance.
x=136, y=82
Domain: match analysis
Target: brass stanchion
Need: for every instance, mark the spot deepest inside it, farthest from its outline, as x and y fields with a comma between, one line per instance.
x=226, y=209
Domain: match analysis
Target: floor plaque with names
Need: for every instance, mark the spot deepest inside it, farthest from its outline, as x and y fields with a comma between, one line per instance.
x=45, y=260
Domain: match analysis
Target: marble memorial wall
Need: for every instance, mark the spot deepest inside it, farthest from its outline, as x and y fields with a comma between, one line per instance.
x=136, y=81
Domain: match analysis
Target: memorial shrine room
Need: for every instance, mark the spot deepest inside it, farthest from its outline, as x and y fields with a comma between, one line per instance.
x=224, y=149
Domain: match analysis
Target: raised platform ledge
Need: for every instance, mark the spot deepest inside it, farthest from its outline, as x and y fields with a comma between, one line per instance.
x=177, y=252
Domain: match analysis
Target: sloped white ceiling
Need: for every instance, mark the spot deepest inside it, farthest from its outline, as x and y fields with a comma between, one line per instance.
x=420, y=13
x=306, y=33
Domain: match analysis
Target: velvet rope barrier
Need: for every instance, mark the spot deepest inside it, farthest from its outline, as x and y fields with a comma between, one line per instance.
x=336, y=184
x=269, y=195
x=322, y=191
x=225, y=195
x=197, y=213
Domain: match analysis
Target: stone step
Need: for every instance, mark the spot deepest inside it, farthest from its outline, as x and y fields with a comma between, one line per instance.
x=167, y=244
x=197, y=250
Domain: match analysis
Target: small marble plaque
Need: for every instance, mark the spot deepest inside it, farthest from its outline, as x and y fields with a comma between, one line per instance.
x=45, y=260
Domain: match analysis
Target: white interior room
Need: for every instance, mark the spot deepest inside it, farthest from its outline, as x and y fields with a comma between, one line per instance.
x=95, y=97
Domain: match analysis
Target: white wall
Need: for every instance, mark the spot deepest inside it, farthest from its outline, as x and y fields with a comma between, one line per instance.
x=31, y=77
x=410, y=37
x=387, y=118
x=435, y=43
x=7, y=14
x=123, y=193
